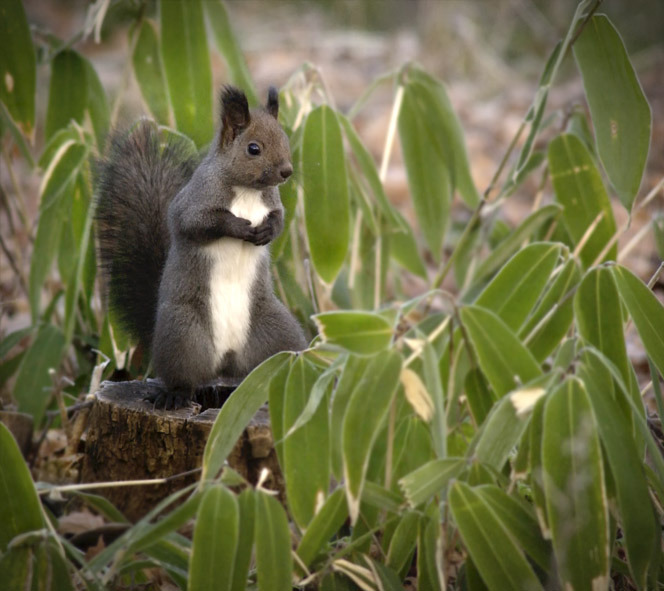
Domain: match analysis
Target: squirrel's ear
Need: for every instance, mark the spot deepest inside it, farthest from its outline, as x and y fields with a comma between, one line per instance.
x=272, y=105
x=234, y=114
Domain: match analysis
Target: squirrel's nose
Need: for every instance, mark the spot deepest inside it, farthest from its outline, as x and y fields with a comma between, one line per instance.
x=286, y=171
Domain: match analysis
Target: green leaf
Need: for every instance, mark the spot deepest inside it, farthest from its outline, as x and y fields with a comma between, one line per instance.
x=56, y=194
x=554, y=313
x=434, y=386
x=75, y=284
x=499, y=434
x=520, y=522
x=429, y=178
x=353, y=370
x=7, y=123
x=430, y=479
x=402, y=544
x=68, y=91
x=326, y=201
x=247, y=507
x=273, y=545
x=637, y=518
x=503, y=358
x=478, y=394
x=490, y=545
x=514, y=291
x=646, y=311
x=576, y=502
x=37, y=566
x=427, y=553
x=215, y=541
x=579, y=189
x=97, y=105
x=450, y=133
x=370, y=174
x=514, y=240
x=20, y=510
x=18, y=76
x=13, y=339
x=599, y=317
x=32, y=390
x=323, y=526
x=365, y=413
x=619, y=110
x=363, y=333
x=230, y=49
x=149, y=72
x=306, y=451
x=236, y=413
x=187, y=64
x=403, y=246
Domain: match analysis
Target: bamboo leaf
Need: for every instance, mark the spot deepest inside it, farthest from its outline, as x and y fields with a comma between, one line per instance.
x=429, y=179
x=237, y=411
x=492, y=549
x=579, y=189
x=403, y=247
x=430, y=479
x=32, y=390
x=402, y=544
x=363, y=333
x=619, y=109
x=354, y=369
x=504, y=359
x=448, y=131
x=230, y=49
x=646, y=311
x=20, y=510
x=366, y=410
x=554, y=313
x=18, y=76
x=323, y=526
x=637, y=518
x=326, y=201
x=68, y=91
x=500, y=432
x=97, y=105
x=215, y=541
x=516, y=288
x=247, y=507
x=187, y=65
x=576, y=502
x=149, y=72
x=370, y=174
x=599, y=317
x=306, y=451
x=56, y=194
x=520, y=522
x=514, y=240
x=273, y=545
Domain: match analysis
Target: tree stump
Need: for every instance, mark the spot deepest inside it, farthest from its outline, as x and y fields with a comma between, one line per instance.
x=129, y=440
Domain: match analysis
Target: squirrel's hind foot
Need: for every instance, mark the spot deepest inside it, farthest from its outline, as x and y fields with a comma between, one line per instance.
x=171, y=399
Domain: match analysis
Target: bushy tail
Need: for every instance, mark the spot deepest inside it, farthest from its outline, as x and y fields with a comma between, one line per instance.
x=136, y=182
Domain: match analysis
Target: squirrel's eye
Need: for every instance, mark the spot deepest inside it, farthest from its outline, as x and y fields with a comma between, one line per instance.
x=253, y=149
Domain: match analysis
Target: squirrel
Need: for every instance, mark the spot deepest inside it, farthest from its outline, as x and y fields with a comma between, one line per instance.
x=184, y=250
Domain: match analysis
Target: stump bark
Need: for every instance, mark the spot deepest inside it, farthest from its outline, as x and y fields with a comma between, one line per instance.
x=129, y=440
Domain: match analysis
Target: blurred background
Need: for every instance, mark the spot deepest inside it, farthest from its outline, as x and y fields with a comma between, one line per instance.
x=489, y=53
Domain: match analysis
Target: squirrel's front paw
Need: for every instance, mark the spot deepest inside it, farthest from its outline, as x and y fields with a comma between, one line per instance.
x=267, y=230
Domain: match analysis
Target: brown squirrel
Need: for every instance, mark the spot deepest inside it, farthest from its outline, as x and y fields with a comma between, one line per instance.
x=183, y=246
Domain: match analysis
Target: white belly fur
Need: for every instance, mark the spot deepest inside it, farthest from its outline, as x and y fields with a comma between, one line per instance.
x=232, y=273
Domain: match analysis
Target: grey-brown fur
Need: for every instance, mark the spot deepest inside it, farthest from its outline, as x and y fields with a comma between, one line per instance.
x=136, y=185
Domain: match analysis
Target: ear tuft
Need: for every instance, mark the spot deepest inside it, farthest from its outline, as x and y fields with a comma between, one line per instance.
x=272, y=105
x=234, y=113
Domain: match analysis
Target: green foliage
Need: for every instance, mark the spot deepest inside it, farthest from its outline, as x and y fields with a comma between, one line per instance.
x=491, y=437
